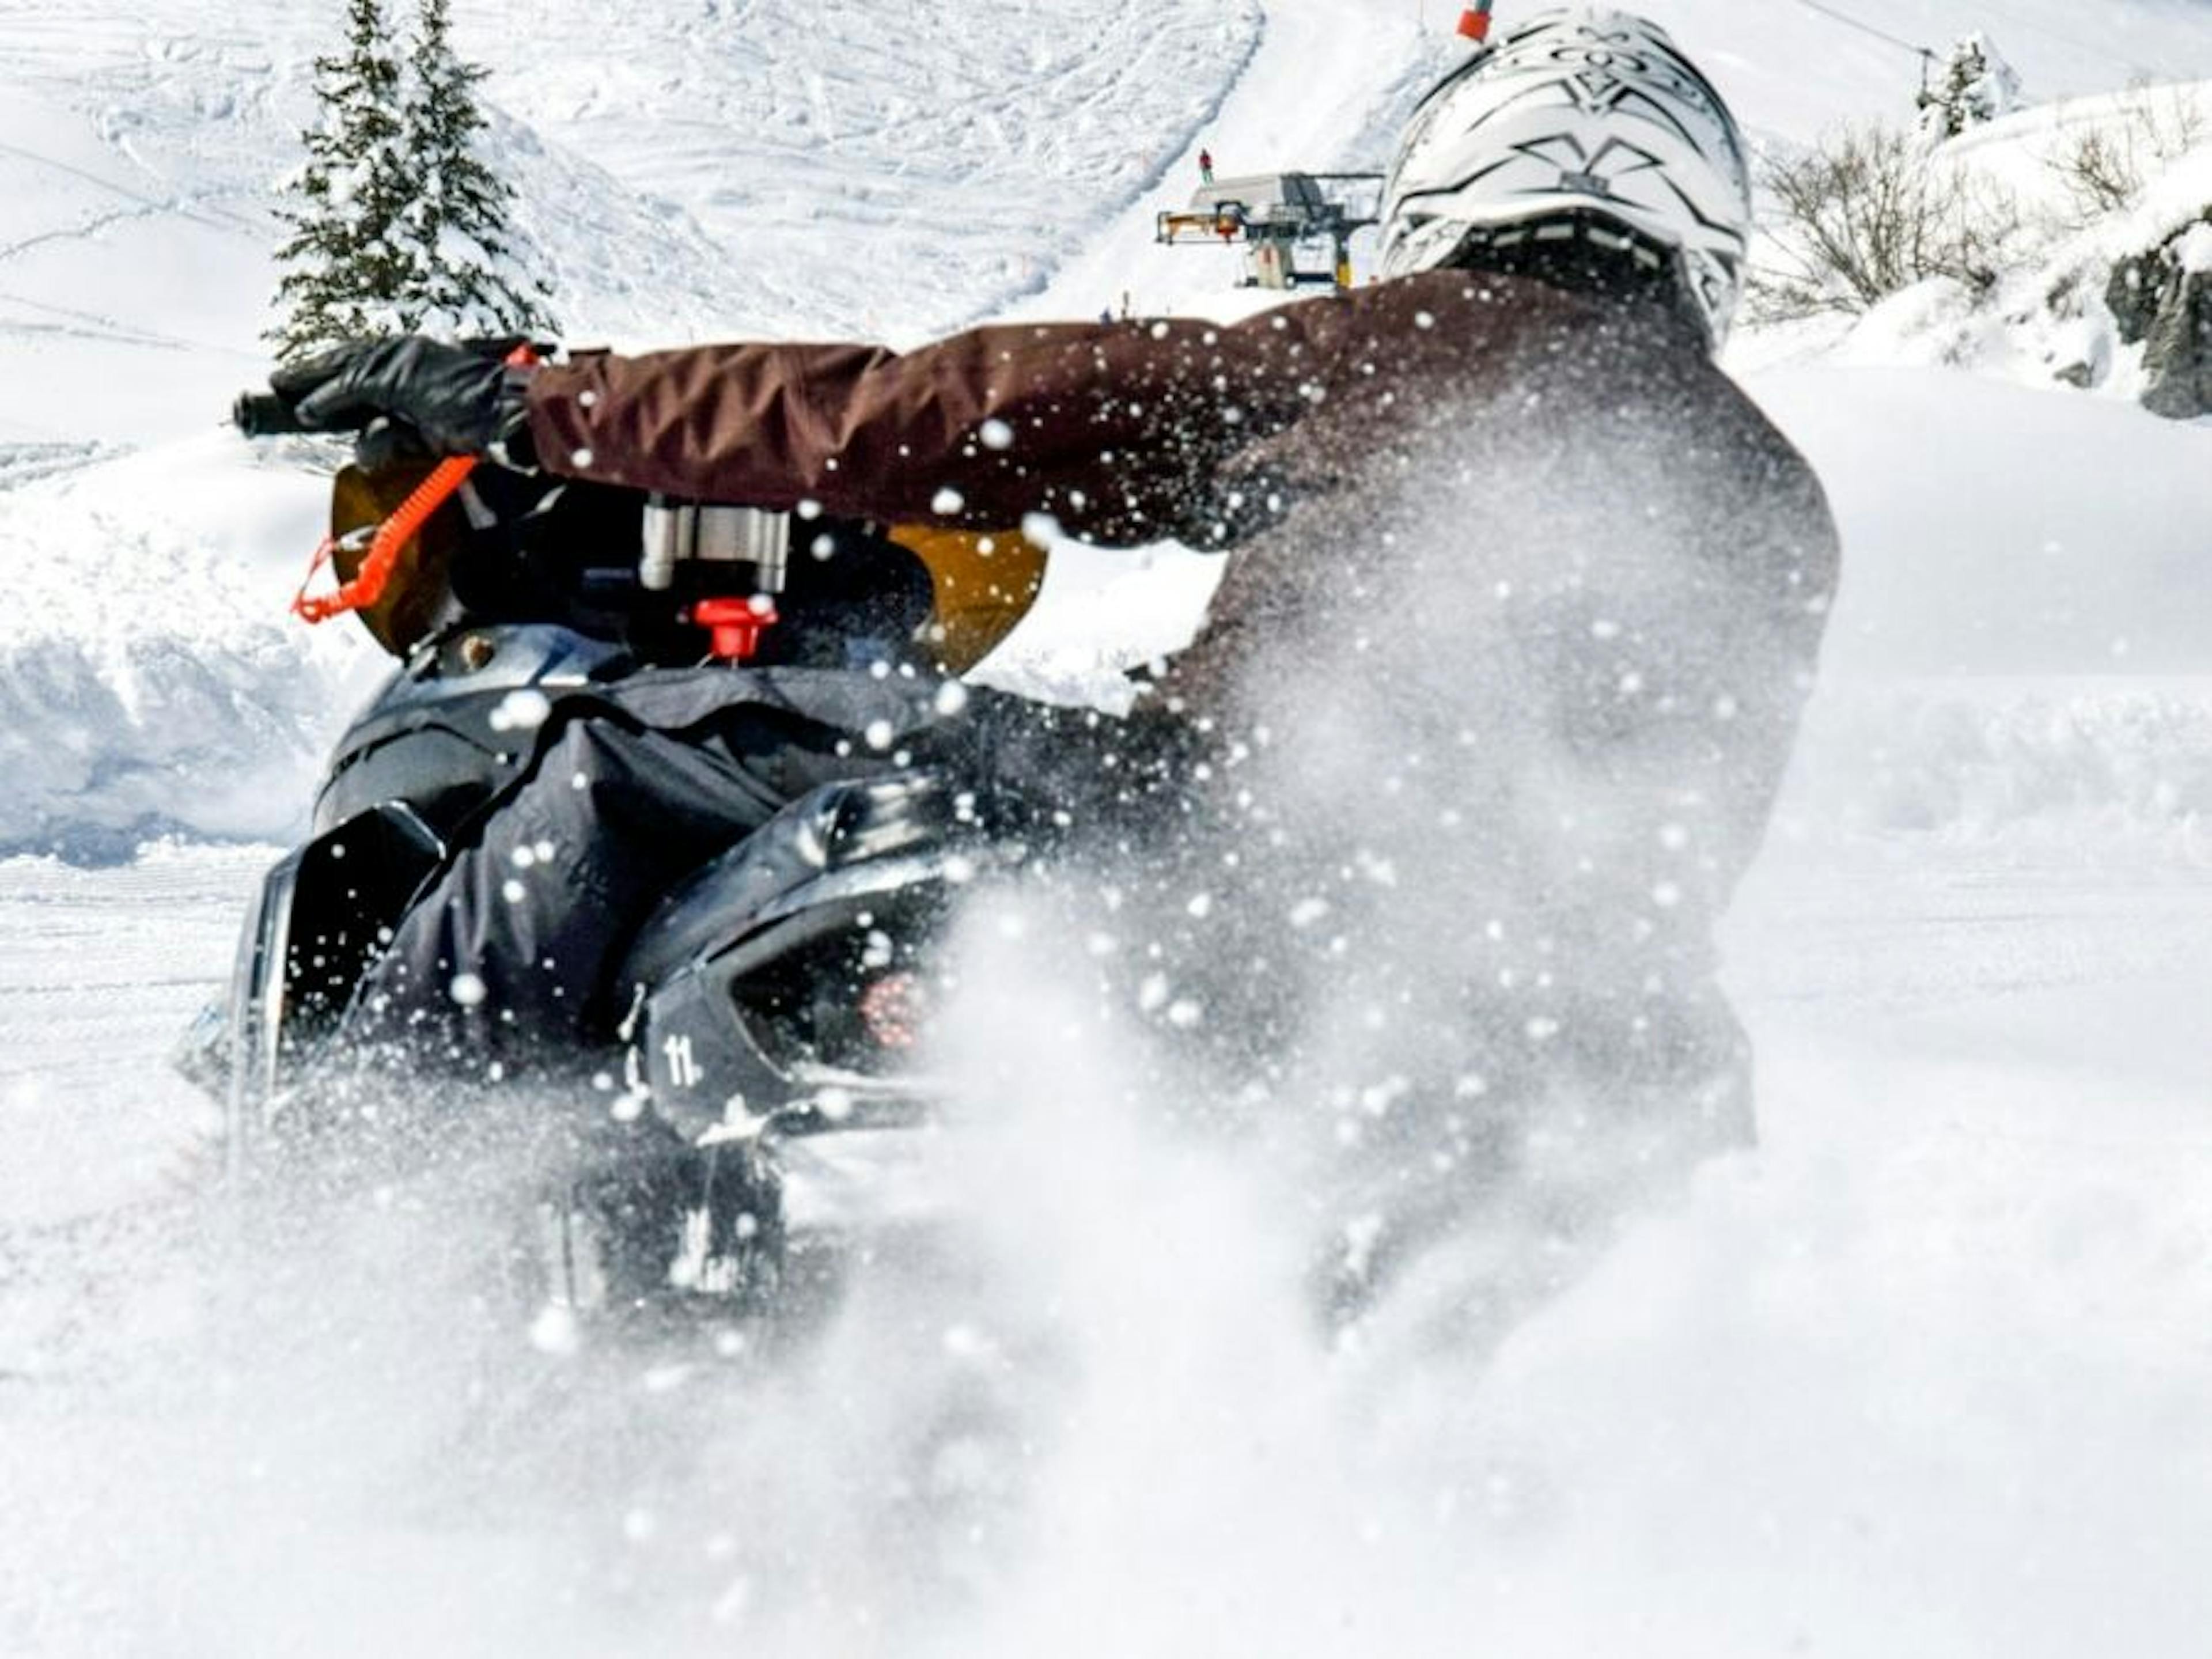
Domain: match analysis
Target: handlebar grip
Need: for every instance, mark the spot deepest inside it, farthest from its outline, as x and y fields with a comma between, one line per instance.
x=265, y=415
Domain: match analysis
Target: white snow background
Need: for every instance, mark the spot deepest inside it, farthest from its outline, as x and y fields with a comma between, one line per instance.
x=1930, y=1374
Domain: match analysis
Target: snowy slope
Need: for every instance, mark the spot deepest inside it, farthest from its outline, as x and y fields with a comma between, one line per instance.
x=687, y=170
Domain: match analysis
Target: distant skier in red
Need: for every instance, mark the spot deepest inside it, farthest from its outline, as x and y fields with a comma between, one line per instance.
x=1206, y=164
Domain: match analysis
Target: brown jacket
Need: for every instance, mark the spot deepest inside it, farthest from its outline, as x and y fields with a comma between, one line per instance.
x=1295, y=436
x=1523, y=563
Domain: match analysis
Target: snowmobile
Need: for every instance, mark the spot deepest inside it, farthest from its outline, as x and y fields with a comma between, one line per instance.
x=764, y=1116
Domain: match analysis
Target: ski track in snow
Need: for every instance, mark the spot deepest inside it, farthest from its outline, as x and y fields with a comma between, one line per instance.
x=1926, y=1376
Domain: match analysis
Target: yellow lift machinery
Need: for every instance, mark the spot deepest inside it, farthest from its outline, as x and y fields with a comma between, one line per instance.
x=1271, y=215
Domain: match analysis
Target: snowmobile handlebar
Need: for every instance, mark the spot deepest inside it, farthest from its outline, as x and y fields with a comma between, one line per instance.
x=265, y=415
x=262, y=415
x=273, y=415
x=675, y=533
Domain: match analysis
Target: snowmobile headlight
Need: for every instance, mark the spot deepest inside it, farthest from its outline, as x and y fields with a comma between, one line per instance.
x=892, y=1009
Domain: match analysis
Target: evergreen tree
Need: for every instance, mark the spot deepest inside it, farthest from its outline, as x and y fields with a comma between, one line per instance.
x=1974, y=86
x=346, y=273
x=475, y=269
x=398, y=225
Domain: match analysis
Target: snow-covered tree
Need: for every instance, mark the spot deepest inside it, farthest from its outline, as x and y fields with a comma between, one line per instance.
x=345, y=274
x=397, y=224
x=476, y=273
x=1974, y=86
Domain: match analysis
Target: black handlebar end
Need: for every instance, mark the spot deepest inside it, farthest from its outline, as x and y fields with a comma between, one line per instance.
x=264, y=415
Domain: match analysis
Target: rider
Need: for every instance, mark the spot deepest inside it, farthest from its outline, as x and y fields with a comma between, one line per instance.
x=1504, y=545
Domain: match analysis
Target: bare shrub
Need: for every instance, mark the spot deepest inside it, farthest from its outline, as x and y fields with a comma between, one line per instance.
x=2101, y=172
x=1868, y=214
x=2105, y=168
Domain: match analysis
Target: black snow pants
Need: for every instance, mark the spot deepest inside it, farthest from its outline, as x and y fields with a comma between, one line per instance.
x=503, y=964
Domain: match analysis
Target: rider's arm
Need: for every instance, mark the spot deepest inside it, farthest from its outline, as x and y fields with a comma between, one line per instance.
x=1115, y=430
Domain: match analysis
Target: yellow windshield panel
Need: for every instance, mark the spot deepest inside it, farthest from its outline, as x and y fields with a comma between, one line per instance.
x=985, y=583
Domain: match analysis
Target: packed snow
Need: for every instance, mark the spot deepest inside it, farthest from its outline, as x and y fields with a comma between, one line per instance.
x=1927, y=1374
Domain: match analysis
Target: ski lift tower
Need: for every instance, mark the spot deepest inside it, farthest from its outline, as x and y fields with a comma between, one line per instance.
x=1271, y=214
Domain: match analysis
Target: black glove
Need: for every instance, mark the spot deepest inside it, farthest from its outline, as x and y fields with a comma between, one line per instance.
x=458, y=401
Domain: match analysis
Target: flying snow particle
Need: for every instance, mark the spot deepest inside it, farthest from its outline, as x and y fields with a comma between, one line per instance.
x=951, y=697
x=879, y=734
x=467, y=990
x=555, y=1331
x=730, y=1606
x=521, y=711
x=1377, y=1099
x=1361, y=1235
x=1306, y=912
x=966, y=1342
x=947, y=502
x=997, y=434
x=514, y=892
x=581, y=459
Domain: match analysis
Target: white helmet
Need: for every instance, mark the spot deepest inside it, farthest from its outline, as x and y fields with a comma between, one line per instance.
x=1578, y=122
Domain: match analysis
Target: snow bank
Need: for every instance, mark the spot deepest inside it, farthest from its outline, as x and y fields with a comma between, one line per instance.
x=2038, y=184
x=151, y=682
x=2021, y=650
x=1993, y=530
x=2095, y=770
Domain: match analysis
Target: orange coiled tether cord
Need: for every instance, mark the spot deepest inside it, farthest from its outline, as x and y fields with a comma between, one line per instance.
x=368, y=582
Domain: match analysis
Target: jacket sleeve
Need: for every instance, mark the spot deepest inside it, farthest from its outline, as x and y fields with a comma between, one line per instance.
x=1118, y=431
